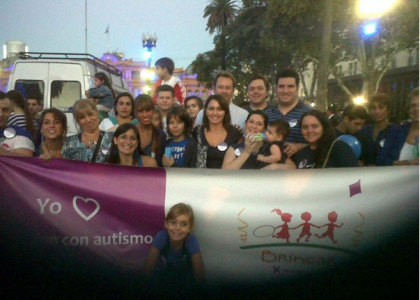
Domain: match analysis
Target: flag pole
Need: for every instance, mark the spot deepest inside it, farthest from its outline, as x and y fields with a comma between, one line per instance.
x=108, y=38
x=86, y=31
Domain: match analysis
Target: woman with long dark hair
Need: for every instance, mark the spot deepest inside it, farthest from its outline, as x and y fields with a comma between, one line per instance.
x=244, y=155
x=210, y=141
x=21, y=116
x=125, y=149
x=152, y=139
x=53, y=130
x=323, y=150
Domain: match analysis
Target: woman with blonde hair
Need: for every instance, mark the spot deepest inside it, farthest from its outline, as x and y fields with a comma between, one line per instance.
x=91, y=144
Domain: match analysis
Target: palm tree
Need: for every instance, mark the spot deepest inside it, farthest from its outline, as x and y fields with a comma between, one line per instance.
x=220, y=13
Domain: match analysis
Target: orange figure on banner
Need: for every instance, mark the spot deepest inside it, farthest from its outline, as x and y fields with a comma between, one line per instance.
x=284, y=232
x=306, y=227
x=332, y=217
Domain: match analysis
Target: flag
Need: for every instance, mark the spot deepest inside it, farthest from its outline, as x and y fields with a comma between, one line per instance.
x=107, y=30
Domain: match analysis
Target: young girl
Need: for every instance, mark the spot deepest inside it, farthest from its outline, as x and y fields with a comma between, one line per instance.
x=175, y=250
x=125, y=149
x=178, y=124
x=104, y=93
x=193, y=105
x=157, y=119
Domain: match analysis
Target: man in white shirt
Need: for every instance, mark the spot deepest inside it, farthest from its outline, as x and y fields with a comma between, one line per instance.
x=14, y=140
x=224, y=84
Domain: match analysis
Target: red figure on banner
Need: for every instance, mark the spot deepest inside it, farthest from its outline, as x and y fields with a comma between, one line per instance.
x=332, y=217
x=306, y=227
x=284, y=232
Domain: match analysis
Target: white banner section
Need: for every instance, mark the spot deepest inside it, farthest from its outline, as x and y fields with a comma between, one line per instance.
x=257, y=226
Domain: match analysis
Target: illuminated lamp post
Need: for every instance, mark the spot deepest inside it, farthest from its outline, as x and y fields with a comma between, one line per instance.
x=149, y=42
x=369, y=12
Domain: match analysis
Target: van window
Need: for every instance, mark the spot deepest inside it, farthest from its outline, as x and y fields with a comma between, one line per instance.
x=64, y=94
x=31, y=88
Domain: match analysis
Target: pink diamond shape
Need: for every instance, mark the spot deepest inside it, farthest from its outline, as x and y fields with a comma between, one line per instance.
x=355, y=188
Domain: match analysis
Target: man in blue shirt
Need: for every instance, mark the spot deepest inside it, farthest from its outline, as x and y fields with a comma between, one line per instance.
x=289, y=108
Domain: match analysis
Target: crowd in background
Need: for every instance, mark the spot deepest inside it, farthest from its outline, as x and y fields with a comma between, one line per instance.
x=176, y=131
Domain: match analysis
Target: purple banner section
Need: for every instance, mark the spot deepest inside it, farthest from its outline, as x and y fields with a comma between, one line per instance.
x=98, y=213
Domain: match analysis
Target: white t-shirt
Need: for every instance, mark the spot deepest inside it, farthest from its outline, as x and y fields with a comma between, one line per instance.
x=17, y=142
x=407, y=152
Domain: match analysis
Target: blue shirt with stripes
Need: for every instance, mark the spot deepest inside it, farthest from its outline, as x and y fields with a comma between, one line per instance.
x=293, y=117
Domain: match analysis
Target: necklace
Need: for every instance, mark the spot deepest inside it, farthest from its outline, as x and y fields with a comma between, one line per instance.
x=50, y=152
x=90, y=142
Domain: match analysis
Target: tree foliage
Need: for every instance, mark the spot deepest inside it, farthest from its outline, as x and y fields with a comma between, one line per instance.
x=264, y=36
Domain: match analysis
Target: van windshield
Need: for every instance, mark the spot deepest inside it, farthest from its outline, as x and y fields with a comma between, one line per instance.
x=30, y=88
x=64, y=94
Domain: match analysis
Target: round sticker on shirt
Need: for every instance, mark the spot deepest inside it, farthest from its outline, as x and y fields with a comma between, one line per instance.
x=302, y=164
x=239, y=151
x=382, y=143
x=105, y=150
x=10, y=132
x=292, y=122
x=222, y=146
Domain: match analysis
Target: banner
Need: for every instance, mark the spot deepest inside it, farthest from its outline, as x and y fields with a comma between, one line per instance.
x=251, y=225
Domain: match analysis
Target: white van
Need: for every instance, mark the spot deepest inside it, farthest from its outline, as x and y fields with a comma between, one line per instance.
x=60, y=79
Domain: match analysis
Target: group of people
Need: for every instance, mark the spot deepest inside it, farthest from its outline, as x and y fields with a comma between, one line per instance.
x=214, y=134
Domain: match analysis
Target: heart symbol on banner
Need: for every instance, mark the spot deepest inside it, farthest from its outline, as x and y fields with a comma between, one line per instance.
x=80, y=213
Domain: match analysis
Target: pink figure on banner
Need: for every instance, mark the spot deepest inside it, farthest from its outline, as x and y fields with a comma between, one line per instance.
x=284, y=232
x=332, y=217
x=306, y=227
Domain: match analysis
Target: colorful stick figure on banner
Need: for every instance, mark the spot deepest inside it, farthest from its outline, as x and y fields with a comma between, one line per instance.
x=332, y=217
x=306, y=227
x=284, y=232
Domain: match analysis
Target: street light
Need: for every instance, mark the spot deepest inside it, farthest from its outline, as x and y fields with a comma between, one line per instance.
x=149, y=42
x=374, y=8
x=370, y=11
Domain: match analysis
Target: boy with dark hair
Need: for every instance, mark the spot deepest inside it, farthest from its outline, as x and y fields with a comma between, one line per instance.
x=353, y=118
x=273, y=150
x=164, y=70
x=165, y=101
x=35, y=107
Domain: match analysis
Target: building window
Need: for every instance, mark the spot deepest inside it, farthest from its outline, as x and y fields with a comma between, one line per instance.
x=351, y=69
x=355, y=68
x=135, y=75
x=64, y=94
x=410, y=58
x=394, y=63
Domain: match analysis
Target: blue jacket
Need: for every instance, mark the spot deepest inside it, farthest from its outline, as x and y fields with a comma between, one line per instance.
x=104, y=95
x=394, y=143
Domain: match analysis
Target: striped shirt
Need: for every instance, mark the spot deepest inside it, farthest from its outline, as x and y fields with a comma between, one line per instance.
x=293, y=117
x=19, y=120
